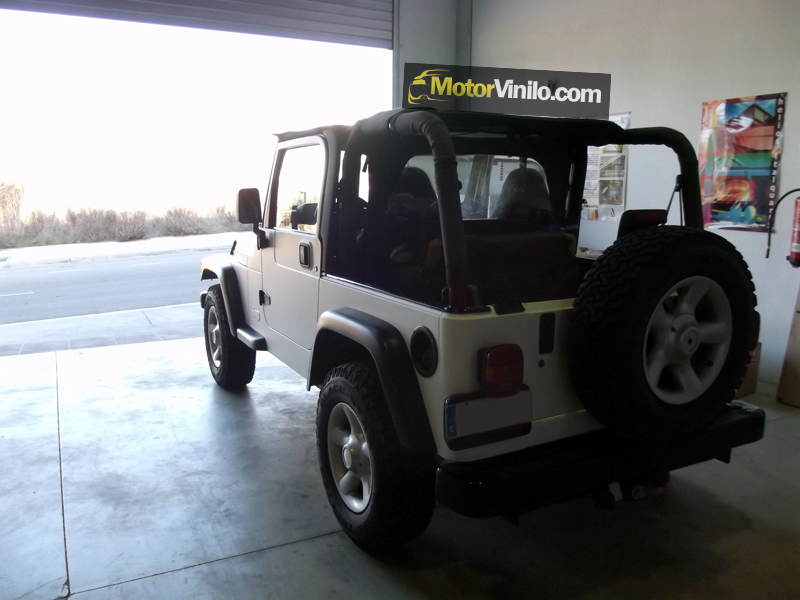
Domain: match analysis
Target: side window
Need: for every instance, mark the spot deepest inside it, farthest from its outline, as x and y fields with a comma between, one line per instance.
x=299, y=188
x=363, y=180
x=363, y=177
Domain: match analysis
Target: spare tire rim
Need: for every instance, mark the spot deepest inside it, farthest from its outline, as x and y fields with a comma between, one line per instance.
x=214, y=336
x=349, y=457
x=687, y=340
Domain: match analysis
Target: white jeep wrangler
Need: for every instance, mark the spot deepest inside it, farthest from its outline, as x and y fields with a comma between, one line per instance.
x=420, y=268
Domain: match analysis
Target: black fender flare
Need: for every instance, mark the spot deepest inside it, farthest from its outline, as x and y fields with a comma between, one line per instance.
x=220, y=267
x=347, y=334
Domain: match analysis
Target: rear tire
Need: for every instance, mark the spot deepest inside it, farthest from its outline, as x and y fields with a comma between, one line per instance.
x=232, y=363
x=665, y=322
x=381, y=493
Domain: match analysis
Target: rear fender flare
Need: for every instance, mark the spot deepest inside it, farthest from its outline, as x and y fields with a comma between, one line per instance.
x=347, y=335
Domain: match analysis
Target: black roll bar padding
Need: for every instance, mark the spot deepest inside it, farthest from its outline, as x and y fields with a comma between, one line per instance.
x=406, y=122
x=690, y=176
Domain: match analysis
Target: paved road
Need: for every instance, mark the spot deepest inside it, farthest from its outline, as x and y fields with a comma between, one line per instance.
x=86, y=288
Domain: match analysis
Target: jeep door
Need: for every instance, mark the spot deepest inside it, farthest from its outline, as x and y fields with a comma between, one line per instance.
x=291, y=263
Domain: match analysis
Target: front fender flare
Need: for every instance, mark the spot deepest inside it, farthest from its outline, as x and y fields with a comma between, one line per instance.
x=389, y=352
x=218, y=266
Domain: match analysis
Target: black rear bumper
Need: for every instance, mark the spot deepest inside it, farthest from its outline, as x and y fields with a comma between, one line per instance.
x=514, y=483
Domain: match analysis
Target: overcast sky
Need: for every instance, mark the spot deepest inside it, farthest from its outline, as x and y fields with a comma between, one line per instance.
x=108, y=114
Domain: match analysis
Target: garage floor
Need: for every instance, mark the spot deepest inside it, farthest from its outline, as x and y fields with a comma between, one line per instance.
x=127, y=474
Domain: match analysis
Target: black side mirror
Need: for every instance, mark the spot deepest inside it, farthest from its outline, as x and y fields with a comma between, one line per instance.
x=248, y=206
x=248, y=211
x=304, y=214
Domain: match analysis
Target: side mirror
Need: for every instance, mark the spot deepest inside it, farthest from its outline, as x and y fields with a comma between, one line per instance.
x=248, y=206
x=248, y=211
x=304, y=214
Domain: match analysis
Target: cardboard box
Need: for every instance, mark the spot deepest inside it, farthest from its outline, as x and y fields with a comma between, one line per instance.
x=789, y=385
x=750, y=379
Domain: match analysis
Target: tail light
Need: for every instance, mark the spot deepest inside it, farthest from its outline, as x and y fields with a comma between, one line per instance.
x=500, y=370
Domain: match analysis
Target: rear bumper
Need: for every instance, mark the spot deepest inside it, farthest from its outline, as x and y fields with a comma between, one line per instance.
x=514, y=483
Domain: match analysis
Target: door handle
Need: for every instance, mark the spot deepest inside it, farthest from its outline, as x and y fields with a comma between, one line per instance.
x=305, y=255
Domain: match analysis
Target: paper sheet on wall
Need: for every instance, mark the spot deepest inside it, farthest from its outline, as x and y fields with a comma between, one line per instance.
x=606, y=171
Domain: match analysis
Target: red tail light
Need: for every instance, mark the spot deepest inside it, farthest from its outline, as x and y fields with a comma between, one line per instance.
x=501, y=369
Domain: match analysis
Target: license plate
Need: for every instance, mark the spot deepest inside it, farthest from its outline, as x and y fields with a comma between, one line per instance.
x=479, y=415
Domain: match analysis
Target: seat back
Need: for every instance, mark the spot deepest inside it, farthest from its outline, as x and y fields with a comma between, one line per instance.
x=524, y=195
x=523, y=267
x=633, y=220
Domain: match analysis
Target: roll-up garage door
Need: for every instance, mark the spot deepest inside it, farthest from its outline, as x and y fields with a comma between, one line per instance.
x=360, y=22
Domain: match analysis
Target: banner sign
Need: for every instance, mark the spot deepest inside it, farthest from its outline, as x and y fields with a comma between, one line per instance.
x=507, y=91
x=740, y=153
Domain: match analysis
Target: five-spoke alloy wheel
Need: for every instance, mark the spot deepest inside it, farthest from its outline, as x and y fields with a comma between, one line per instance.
x=232, y=363
x=214, y=341
x=381, y=492
x=348, y=454
x=687, y=340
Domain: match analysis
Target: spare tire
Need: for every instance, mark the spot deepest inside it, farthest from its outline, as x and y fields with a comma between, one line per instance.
x=665, y=320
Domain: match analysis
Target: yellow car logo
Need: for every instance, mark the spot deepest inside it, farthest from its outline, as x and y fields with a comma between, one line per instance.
x=419, y=80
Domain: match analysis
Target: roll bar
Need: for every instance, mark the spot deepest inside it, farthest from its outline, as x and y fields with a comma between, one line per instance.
x=687, y=159
x=433, y=126
x=427, y=124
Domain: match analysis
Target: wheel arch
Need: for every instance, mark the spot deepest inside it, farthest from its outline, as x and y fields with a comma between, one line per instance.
x=350, y=335
x=219, y=267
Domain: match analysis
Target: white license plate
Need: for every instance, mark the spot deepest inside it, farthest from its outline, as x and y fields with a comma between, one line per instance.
x=469, y=417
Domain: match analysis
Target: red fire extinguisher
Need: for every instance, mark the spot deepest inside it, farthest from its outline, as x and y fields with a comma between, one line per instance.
x=794, y=250
x=794, y=253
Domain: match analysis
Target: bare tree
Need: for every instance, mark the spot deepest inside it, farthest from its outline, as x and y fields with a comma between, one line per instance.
x=10, y=202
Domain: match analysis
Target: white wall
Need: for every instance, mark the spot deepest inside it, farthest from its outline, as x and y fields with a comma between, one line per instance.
x=424, y=32
x=665, y=59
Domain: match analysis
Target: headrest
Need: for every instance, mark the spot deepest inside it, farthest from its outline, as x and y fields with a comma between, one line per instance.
x=524, y=191
x=414, y=182
x=413, y=192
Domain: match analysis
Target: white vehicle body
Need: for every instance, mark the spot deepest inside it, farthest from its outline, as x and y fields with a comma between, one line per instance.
x=555, y=410
x=421, y=269
x=464, y=351
x=299, y=295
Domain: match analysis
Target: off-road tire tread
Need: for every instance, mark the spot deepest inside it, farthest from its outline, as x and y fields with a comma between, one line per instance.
x=601, y=307
x=405, y=498
x=238, y=363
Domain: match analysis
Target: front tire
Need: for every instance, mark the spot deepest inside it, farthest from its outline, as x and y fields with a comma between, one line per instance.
x=381, y=493
x=232, y=363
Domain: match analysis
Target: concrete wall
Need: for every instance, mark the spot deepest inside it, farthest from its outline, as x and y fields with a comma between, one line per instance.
x=665, y=59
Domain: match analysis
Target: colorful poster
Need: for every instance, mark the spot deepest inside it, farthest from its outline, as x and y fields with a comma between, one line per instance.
x=740, y=153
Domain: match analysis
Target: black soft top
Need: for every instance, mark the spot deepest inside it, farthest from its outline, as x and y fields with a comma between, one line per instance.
x=466, y=122
x=341, y=132
x=460, y=122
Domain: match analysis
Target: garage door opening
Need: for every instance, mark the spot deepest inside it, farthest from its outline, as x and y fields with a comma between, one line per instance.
x=118, y=131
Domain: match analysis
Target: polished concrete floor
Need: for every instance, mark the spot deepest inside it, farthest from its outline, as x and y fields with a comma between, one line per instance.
x=126, y=473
